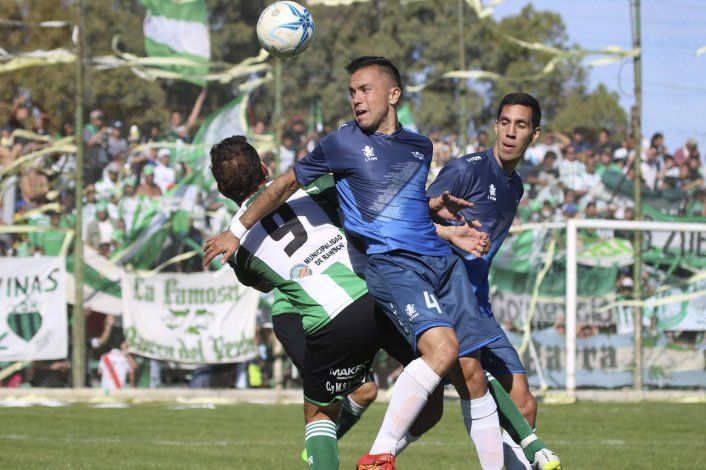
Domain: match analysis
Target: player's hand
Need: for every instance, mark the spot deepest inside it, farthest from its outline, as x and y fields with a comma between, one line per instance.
x=471, y=240
x=226, y=243
x=447, y=207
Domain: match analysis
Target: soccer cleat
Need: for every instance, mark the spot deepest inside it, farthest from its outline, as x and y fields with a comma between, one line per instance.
x=305, y=458
x=376, y=462
x=545, y=459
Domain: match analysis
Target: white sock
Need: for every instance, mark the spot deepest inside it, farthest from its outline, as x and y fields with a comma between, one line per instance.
x=406, y=440
x=514, y=457
x=481, y=419
x=409, y=395
x=353, y=406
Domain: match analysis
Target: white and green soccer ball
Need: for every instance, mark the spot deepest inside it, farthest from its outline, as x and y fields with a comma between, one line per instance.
x=285, y=29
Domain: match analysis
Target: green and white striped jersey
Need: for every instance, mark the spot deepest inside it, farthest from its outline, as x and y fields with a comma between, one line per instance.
x=301, y=250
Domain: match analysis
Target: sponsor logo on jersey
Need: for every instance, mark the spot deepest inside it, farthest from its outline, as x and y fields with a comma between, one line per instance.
x=347, y=373
x=369, y=153
x=474, y=158
x=299, y=271
x=418, y=155
x=411, y=311
x=491, y=192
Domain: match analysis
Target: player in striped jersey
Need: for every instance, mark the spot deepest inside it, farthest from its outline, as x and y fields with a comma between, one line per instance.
x=301, y=250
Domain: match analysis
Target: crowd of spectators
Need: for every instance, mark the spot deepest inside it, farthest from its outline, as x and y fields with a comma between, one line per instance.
x=565, y=176
x=570, y=177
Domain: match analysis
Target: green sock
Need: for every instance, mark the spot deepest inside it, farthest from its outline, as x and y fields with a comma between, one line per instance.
x=350, y=414
x=512, y=421
x=321, y=445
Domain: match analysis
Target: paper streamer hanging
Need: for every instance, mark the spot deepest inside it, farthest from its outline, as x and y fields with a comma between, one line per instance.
x=63, y=145
x=481, y=11
x=148, y=67
x=41, y=24
x=611, y=54
x=34, y=59
x=144, y=67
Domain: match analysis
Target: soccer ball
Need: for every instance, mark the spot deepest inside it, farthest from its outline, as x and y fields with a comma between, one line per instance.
x=285, y=29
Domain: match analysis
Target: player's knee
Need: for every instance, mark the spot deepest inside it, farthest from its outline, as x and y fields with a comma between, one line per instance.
x=366, y=394
x=440, y=352
x=446, y=355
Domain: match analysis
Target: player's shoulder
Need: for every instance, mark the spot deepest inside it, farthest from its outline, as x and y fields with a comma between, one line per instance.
x=346, y=132
x=410, y=135
x=475, y=160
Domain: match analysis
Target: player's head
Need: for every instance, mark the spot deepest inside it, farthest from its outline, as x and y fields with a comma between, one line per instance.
x=516, y=125
x=375, y=88
x=237, y=168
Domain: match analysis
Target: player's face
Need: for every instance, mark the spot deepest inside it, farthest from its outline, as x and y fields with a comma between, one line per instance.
x=514, y=132
x=373, y=96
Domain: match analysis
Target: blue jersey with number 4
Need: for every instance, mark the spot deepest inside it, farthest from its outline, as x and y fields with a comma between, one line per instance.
x=480, y=179
x=380, y=183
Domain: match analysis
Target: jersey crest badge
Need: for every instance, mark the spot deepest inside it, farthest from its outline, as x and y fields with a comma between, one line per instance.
x=299, y=271
x=491, y=192
x=369, y=153
x=411, y=311
x=418, y=155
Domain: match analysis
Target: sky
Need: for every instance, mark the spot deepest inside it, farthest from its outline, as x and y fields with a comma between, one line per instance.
x=673, y=77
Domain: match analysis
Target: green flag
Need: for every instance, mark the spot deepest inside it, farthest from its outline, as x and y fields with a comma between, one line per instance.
x=178, y=29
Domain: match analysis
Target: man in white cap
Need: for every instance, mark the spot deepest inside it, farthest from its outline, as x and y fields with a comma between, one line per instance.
x=108, y=186
x=164, y=175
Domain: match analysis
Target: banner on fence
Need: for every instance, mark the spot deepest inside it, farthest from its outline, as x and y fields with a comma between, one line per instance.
x=33, y=323
x=201, y=318
x=607, y=361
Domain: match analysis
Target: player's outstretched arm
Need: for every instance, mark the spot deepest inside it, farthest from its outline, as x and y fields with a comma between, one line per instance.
x=447, y=207
x=275, y=195
x=466, y=237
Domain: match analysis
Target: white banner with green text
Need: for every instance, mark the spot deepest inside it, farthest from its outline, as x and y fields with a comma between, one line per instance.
x=199, y=318
x=33, y=323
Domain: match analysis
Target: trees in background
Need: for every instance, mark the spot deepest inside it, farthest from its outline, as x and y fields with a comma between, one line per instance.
x=421, y=37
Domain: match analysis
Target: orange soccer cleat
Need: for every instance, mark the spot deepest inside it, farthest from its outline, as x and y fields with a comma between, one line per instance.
x=376, y=462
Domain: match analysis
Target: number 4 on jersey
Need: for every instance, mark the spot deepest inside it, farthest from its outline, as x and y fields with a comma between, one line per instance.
x=431, y=301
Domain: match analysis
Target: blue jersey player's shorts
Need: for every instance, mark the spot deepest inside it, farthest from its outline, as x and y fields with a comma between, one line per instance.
x=500, y=357
x=419, y=292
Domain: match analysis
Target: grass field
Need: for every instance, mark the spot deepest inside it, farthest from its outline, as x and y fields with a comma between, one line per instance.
x=585, y=435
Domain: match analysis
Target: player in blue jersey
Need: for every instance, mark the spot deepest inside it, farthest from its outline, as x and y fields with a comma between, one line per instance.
x=380, y=170
x=488, y=180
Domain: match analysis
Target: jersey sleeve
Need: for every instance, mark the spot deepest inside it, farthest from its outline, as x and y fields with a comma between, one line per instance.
x=451, y=178
x=239, y=263
x=313, y=165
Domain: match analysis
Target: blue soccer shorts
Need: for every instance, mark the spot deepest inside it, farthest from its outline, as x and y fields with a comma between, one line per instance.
x=418, y=292
x=500, y=357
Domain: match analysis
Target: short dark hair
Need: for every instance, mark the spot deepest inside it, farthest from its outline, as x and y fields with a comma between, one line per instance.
x=369, y=61
x=523, y=99
x=236, y=167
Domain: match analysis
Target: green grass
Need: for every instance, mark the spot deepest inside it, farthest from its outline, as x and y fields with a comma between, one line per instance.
x=585, y=435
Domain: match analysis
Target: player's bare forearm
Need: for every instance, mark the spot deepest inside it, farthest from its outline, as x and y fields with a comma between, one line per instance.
x=271, y=198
